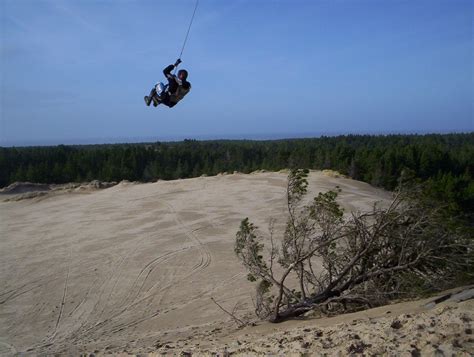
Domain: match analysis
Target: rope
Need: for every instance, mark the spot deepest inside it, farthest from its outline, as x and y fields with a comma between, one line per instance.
x=187, y=33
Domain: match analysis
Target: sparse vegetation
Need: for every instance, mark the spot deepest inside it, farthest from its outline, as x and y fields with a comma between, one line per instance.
x=328, y=260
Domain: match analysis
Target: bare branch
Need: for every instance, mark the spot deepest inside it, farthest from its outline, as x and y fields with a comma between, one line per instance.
x=231, y=314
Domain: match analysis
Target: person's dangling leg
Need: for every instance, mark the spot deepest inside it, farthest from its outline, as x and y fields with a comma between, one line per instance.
x=149, y=98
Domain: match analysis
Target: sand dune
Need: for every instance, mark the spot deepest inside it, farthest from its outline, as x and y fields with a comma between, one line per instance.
x=132, y=268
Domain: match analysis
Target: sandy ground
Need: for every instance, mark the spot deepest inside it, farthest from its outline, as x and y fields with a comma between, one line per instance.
x=132, y=268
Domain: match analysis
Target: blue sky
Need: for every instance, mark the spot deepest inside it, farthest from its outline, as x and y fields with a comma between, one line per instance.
x=76, y=71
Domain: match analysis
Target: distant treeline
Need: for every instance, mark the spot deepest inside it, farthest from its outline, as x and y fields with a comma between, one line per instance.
x=445, y=162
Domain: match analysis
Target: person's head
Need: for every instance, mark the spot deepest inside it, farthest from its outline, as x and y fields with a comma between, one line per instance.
x=182, y=74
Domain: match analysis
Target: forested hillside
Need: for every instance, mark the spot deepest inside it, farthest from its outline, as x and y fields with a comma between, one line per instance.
x=444, y=162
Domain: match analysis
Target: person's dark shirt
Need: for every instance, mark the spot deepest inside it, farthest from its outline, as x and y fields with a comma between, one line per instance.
x=176, y=90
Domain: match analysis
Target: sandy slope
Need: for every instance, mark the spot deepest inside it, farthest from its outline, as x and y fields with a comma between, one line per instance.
x=403, y=329
x=133, y=267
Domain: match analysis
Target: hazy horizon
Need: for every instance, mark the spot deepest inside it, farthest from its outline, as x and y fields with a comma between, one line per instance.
x=250, y=137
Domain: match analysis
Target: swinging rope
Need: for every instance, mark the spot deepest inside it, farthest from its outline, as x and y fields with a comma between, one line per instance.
x=187, y=33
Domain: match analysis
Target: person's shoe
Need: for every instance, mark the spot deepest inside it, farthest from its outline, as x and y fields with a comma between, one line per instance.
x=155, y=101
x=147, y=100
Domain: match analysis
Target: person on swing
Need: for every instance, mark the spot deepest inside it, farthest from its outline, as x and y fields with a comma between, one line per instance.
x=174, y=91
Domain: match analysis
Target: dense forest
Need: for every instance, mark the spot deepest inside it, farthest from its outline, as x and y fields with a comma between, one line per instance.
x=444, y=162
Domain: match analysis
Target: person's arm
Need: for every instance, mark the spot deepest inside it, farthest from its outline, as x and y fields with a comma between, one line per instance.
x=167, y=70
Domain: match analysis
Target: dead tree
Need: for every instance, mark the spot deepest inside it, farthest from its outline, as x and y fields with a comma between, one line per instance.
x=364, y=259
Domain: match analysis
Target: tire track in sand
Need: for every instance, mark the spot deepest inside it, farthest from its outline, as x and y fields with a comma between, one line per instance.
x=206, y=257
x=126, y=307
x=204, y=262
x=63, y=300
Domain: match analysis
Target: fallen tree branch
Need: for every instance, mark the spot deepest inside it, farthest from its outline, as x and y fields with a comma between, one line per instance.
x=365, y=258
x=236, y=319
